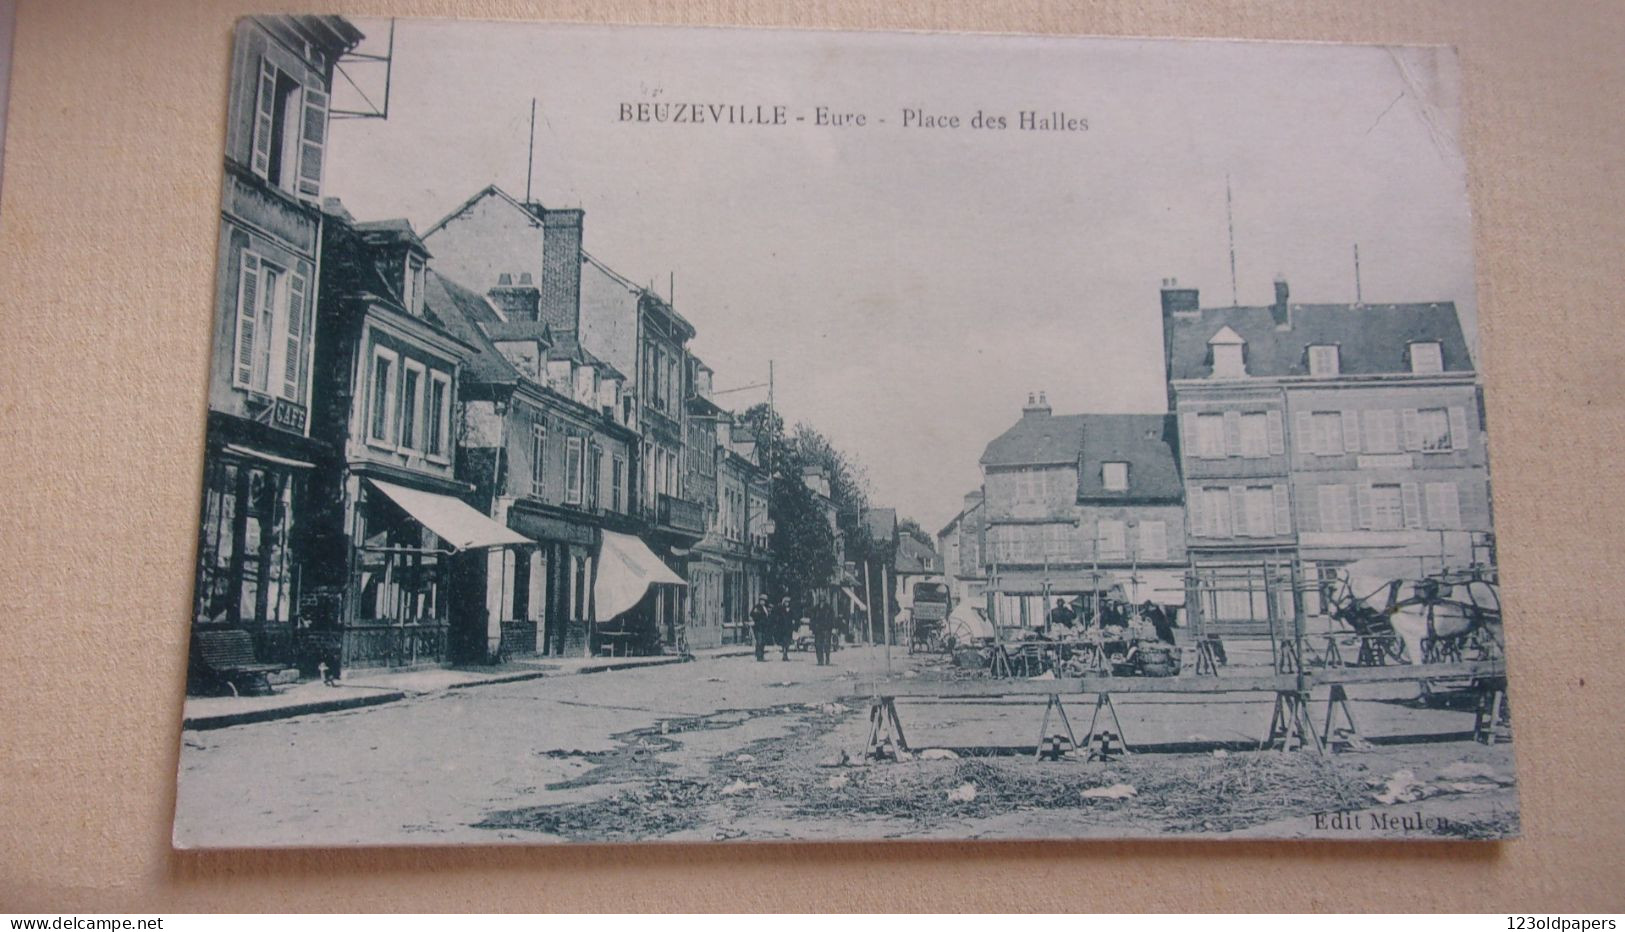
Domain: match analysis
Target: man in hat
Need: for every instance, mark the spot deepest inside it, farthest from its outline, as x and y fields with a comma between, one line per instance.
x=761, y=625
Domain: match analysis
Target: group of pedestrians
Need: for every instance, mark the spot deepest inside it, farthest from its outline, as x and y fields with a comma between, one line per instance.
x=776, y=625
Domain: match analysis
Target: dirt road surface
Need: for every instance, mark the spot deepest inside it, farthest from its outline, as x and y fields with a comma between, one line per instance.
x=736, y=749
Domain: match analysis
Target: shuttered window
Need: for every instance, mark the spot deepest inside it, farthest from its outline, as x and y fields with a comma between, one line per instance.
x=248, y=301
x=1426, y=358
x=1443, y=506
x=1381, y=432
x=1254, y=435
x=412, y=392
x=1328, y=433
x=295, y=364
x=1335, y=512
x=1324, y=361
x=439, y=414
x=573, y=467
x=1111, y=538
x=1114, y=476
x=1153, y=540
x=312, y=143
x=381, y=407
x=1381, y=508
x=1210, y=442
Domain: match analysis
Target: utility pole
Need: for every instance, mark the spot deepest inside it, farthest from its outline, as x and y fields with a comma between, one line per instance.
x=1230, y=224
x=530, y=154
x=1359, y=297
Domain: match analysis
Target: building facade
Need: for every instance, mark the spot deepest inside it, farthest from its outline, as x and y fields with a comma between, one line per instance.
x=392, y=537
x=960, y=545
x=1076, y=505
x=612, y=321
x=544, y=445
x=260, y=453
x=1342, y=435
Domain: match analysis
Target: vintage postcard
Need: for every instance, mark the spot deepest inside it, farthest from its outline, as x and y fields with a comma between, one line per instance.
x=658, y=434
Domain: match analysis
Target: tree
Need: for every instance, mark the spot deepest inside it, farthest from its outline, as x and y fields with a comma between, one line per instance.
x=803, y=546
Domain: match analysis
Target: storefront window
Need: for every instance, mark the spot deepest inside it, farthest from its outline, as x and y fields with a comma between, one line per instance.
x=247, y=575
x=401, y=566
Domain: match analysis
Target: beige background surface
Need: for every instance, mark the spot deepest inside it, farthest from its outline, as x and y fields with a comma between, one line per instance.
x=107, y=229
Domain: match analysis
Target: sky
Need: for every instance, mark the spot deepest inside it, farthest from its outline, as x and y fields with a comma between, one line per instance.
x=913, y=284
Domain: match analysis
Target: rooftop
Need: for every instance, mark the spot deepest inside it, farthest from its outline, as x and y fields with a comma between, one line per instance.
x=1372, y=339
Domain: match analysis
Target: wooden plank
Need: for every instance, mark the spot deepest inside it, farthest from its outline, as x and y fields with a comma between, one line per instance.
x=993, y=689
x=1406, y=672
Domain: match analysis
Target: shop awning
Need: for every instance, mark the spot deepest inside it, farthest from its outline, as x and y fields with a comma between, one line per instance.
x=460, y=526
x=265, y=457
x=854, y=597
x=626, y=570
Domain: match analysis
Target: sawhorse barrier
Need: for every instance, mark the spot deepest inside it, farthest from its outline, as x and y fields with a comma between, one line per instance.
x=1292, y=725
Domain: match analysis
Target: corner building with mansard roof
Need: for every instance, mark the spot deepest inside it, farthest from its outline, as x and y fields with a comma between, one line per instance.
x=1345, y=435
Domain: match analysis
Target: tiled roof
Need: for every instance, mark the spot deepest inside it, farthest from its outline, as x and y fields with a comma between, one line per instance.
x=914, y=556
x=1372, y=338
x=1144, y=442
x=461, y=312
x=567, y=346
x=881, y=522
x=394, y=230
x=1037, y=440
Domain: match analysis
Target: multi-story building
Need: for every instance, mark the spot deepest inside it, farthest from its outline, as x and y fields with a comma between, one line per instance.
x=544, y=444
x=960, y=545
x=259, y=447
x=391, y=537
x=1081, y=504
x=618, y=322
x=1341, y=434
x=709, y=563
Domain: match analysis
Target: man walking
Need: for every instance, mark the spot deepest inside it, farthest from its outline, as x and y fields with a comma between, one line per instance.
x=784, y=627
x=823, y=631
x=761, y=625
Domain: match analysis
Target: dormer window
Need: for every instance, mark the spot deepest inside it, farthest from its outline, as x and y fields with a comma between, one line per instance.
x=1228, y=362
x=1229, y=354
x=1114, y=476
x=412, y=286
x=1324, y=360
x=1427, y=358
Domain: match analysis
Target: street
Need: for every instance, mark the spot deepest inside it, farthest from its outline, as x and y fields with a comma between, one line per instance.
x=735, y=749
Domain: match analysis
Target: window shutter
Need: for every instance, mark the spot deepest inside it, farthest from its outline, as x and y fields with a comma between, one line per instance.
x=1411, y=497
x=1277, y=432
x=1238, y=511
x=1450, y=506
x=1362, y=502
x=1232, y=433
x=293, y=377
x=1187, y=435
x=1303, y=434
x=1459, y=439
x=1194, y=512
x=260, y=160
x=1325, y=508
x=1283, y=511
x=1372, y=431
x=248, y=299
x=313, y=143
x=1351, y=432
x=1413, y=429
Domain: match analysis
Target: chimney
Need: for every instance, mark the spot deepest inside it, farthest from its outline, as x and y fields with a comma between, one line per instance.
x=561, y=268
x=1036, y=406
x=1177, y=301
x=1280, y=310
x=516, y=302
